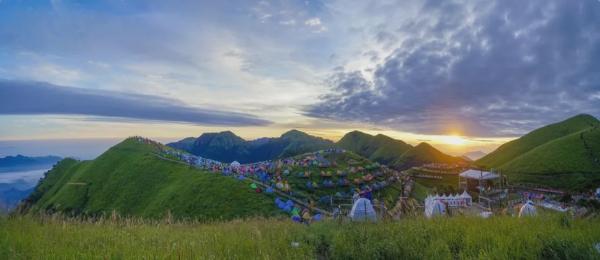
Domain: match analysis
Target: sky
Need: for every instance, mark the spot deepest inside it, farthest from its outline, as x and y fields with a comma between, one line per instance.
x=462, y=75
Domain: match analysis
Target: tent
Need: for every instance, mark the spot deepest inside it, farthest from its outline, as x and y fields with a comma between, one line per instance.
x=363, y=210
x=527, y=210
x=435, y=208
x=235, y=164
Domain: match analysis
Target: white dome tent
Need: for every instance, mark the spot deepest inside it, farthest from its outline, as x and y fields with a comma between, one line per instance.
x=434, y=207
x=363, y=210
x=528, y=210
x=235, y=164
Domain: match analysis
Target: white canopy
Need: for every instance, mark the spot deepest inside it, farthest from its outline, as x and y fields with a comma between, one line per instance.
x=465, y=195
x=478, y=175
x=363, y=210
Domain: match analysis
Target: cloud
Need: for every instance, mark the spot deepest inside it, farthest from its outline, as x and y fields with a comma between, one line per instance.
x=23, y=97
x=492, y=68
x=313, y=22
x=316, y=23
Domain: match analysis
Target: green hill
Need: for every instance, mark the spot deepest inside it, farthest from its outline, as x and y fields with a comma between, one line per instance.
x=571, y=162
x=425, y=153
x=386, y=150
x=563, y=155
x=380, y=148
x=516, y=148
x=131, y=180
x=228, y=147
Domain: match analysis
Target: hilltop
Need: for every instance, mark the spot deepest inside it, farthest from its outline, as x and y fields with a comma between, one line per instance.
x=130, y=179
x=227, y=147
x=147, y=179
x=562, y=155
x=394, y=152
x=380, y=148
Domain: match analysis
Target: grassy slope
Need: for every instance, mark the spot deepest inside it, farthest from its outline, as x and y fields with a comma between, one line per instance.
x=424, y=153
x=576, y=162
x=516, y=148
x=389, y=194
x=132, y=181
x=386, y=150
x=378, y=148
x=548, y=237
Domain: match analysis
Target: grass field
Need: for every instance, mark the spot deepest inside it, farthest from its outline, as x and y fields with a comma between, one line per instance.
x=548, y=237
x=130, y=180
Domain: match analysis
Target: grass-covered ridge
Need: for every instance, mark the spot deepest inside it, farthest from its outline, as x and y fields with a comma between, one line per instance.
x=392, y=152
x=548, y=237
x=572, y=162
x=131, y=180
x=564, y=155
x=513, y=149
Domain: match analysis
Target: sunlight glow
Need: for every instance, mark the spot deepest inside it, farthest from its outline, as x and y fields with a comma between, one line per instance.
x=454, y=140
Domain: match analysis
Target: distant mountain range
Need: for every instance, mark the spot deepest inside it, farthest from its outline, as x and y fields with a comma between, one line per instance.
x=474, y=155
x=395, y=153
x=227, y=147
x=11, y=195
x=23, y=163
x=563, y=155
x=13, y=187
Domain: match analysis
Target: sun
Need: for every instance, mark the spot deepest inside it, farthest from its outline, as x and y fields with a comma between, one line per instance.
x=454, y=140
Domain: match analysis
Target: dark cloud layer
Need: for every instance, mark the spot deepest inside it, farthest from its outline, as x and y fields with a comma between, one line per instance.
x=488, y=68
x=19, y=97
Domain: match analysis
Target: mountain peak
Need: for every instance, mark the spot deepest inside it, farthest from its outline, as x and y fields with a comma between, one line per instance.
x=424, y=145
x=293, y=133
x=583, y=117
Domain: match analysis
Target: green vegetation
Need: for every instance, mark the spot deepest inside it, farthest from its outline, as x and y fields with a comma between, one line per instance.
x=563, y=155
x=386, y=150
x=340, y=162
x=420, y=192
x=425, y=153
x=228, y=147
x=379, y=148
x=132, y=181
x=447, y=183
x=513, y=149
x=548, y=237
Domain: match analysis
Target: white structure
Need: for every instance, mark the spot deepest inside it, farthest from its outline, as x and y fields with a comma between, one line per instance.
x=453, y=201
x=434, y=207
x=235, y=165
x=363, y=210
x=598, y=192
x=527, y=210
x=478, y=175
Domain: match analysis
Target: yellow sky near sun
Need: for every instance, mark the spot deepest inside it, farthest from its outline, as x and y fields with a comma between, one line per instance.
x=61, y=127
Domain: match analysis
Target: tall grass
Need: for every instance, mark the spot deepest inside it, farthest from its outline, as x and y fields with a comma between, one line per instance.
x=547, y=237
